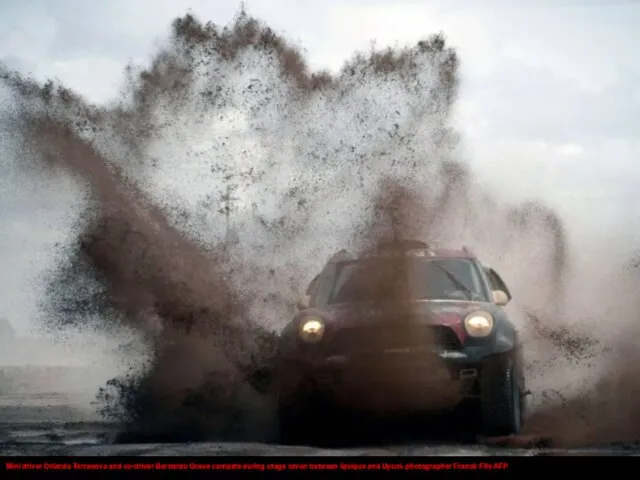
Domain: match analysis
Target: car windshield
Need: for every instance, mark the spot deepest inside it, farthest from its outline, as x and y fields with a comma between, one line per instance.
x=426, y=279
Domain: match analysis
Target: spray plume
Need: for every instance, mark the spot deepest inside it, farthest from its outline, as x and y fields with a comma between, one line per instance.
x=315, y=162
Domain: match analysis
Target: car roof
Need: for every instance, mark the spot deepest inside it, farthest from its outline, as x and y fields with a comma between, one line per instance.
x=451, y=253
x=412, y=248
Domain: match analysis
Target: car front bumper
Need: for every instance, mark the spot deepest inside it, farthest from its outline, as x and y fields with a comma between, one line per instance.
x=396, y=379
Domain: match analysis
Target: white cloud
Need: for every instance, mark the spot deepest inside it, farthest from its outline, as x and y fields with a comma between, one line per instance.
x=570, y=149
x=96, y=78
x=353, y=27
x=29, y=44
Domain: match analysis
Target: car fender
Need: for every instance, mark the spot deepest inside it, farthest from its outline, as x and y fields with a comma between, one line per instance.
x=504, y=343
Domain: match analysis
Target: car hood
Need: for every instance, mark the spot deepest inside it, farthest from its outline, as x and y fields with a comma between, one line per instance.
x=430, y=312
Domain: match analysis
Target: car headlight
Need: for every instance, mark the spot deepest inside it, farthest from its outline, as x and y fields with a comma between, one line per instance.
x=311, y=329
x=478, y=324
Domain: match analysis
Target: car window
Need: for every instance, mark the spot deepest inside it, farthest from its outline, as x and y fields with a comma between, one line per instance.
x=313, y=287
x=426, y=279
x=312, y=290
x=497, y=283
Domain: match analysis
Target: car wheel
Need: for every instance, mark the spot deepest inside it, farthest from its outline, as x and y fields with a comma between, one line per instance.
x=500, y=399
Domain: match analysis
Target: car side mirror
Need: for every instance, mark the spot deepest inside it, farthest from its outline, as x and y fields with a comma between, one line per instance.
x=500, y=297
x=303, y=303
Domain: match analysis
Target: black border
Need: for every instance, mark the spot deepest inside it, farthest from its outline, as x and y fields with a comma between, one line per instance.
x=432, y=465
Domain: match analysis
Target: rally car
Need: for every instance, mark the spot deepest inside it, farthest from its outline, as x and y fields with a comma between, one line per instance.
x=442, y=340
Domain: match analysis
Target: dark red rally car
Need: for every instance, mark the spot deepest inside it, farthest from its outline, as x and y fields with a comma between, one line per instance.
x=401, y=329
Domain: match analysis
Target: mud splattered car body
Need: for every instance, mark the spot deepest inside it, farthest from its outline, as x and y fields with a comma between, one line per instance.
x=446, y=343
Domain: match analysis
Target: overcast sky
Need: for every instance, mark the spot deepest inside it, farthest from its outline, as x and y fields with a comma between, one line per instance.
x=550, y=102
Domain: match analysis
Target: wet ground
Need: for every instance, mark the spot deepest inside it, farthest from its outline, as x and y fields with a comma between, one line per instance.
x=35, y=419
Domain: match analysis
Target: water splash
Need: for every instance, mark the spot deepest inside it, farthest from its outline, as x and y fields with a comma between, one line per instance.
x=315, y=162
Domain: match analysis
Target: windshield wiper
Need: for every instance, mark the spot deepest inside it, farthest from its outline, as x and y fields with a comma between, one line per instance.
x=471, y=295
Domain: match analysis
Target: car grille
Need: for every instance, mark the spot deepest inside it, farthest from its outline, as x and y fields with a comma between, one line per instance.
x=380, y=338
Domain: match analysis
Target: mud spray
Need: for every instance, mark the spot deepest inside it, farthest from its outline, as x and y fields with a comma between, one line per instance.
x=315, y=162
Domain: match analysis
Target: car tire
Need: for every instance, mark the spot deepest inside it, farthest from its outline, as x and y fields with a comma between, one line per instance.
x=500, y=399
